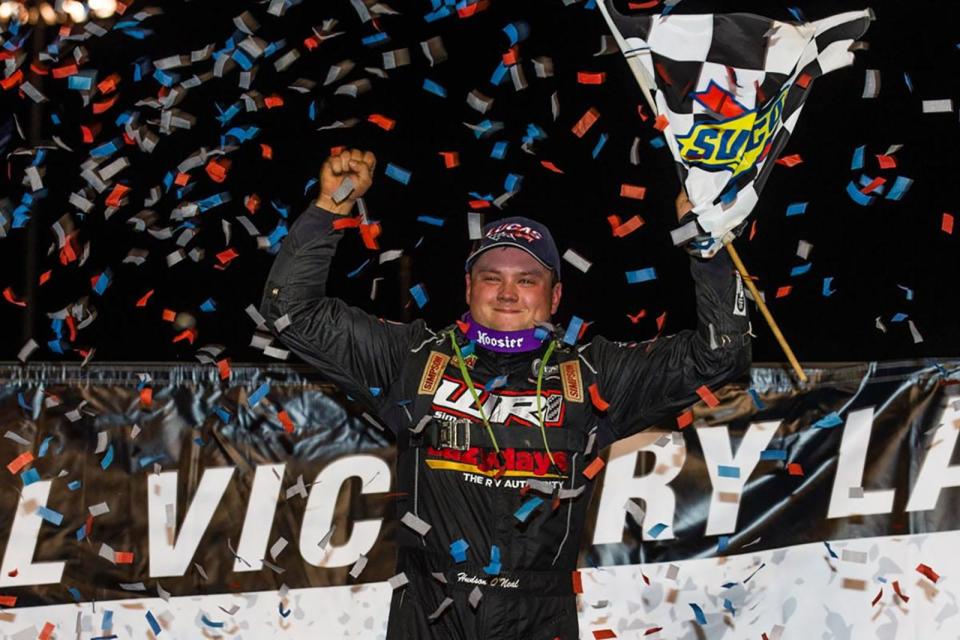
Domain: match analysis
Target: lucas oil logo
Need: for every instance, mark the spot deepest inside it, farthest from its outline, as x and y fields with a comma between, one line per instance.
x=514, y=231
x=738, y=141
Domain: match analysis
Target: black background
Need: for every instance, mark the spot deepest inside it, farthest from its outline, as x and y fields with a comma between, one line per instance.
x=868, y=251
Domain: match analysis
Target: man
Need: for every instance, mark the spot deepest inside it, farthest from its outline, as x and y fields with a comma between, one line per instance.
x=496, y=417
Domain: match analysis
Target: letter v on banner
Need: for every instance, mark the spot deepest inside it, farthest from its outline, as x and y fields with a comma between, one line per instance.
x=172, y=559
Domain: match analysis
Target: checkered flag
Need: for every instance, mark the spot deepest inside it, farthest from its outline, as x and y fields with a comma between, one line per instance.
x=728, y=90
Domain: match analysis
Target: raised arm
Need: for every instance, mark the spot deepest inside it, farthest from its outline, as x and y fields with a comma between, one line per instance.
x=651, y=382
x=349, y=347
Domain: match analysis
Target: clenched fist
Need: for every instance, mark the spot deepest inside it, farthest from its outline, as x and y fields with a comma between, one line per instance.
x=344, y=178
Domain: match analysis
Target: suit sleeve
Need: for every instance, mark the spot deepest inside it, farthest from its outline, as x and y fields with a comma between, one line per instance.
x=349, y=347
x=650, y=382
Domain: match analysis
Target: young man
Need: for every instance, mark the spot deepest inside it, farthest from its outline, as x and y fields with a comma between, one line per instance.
x=497, y=416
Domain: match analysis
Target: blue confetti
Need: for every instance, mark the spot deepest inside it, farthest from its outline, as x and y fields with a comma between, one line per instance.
x=498, y=74
x=527, y=508
x=432, y=87
x=210, y=623
x=209, y=305
x=907, y=291
x=860, y=198
x=908, y=81
x=356, y=272
x=154, y=625
x=656, y=530
x=722, y=543
x=573, y=330
x=499, y=150
x=493, y=568
x=756, y=399
x=658, y=143
x=799, y=270
x=74, y=485
x=51, y=516
x=75, y=593
x=44, y=446
x=725, y=471
x=830, y=549
x=900, y=186
x=797, y=208
x=375, y=38
x=29, y=476
x=899, y=317
x=375, y=391
x=641, y=275
x=397, y=173
x=107, y=458
x=458, y=549
x=107, y=620
x=259, y=394
x=431, y=220
x=773, y=454
x=828, y=421
x=856, y=164
x=513, y=182
x=827, y=289
x=698, y=612
x=599, y=146
x=419, y=295
x=517, y=31
x=495, y=383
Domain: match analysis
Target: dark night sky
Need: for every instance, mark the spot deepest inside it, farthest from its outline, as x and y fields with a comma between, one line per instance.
x=870, y=252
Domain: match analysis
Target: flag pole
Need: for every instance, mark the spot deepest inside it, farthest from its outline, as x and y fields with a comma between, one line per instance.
x=640, y=73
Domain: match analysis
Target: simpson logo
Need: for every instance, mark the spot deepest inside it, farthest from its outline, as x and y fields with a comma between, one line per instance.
x=735, y=143
x=432, y=372
x=514, y=231
x=572, y=382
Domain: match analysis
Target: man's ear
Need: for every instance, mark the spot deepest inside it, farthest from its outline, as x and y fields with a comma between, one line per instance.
x=555, y=297
x=466, y=277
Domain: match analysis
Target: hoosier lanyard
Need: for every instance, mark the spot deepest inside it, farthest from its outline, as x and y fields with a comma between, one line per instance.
x=483, y=415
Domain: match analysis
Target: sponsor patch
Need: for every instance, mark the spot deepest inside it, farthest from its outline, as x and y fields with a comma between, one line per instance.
x=571, y=380
x=433, y=372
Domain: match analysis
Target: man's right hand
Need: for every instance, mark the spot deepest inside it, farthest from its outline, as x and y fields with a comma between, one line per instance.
x=354, y=165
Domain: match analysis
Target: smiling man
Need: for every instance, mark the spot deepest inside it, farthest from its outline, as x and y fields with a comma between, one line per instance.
x=496, y=416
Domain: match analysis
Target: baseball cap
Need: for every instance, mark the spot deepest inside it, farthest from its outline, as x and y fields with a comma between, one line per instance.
x=522, y=233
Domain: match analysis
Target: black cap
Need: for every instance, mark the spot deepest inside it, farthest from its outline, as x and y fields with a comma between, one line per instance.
x=522, y=233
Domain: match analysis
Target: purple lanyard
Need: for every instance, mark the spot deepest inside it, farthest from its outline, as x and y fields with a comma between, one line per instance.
x=502, y=341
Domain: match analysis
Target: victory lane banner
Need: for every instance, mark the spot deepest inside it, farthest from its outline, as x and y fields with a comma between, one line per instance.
x=204, y=501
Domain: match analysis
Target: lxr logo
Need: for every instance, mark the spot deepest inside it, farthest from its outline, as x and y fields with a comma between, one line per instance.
x=731, y=137
x=453, y=397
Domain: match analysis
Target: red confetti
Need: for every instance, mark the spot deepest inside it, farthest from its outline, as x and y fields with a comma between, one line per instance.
x=886, y=162
x=227, y=255
x=896, y=589
x=753, y=230
x=223, y=366
x=946, y=225
x=593, y=468
x=783, y=292
x=169, y=315
x=47, y=632
x=146, y=397
x=8, y=601
x=451, y=159
x=661, y=122
x=100, y=107
x=661, y=320
x=552, y=167
x=632, y=191
x=273, y=102
x=123, y=557
x=510, y=57
x=790, y=161
x=877, y=599
x=794, y=469
x=652, y=630
x=603, y=634
x=109, y=84
x=876, y=182
x=142, y=302
x=803, y=80
x=18, y=463
x=598, y=402
x=65, y=71
x=187, y=334
x=707, y=396
x=685, y=419
x=385, y=123
x=636, y=318
x=286, y=421
x=585, y=77
x=928, y=572
x=115, y=199
x=585, y=122
x=217, y=169
x=649, y=4
x=577, y=581
x=12, y=81
x=11, y=297
x=266, y=151
x=346, y=223
x=369, y=233
x=252, y=203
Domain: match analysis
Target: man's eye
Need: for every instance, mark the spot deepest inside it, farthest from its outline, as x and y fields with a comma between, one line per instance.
x=526, y=281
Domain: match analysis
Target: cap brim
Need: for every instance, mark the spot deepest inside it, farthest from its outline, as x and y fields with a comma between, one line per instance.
x=476, y=254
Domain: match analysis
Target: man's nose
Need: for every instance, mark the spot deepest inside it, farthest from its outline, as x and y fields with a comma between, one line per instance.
x=507, y=292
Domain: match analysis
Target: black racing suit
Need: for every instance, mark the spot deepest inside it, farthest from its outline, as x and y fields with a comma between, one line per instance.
x=465, y=492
